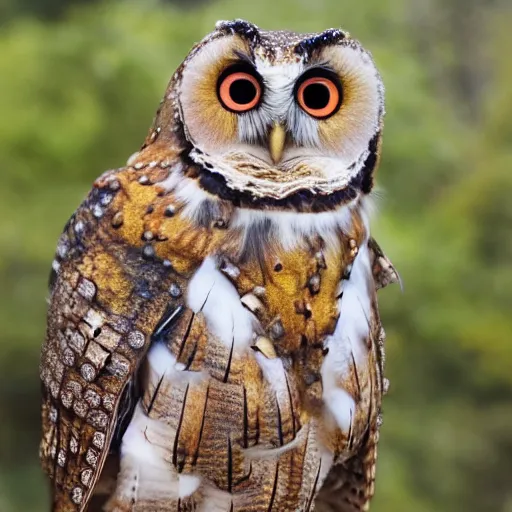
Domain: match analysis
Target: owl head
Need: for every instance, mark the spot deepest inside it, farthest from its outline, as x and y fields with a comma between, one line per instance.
x=277, y=119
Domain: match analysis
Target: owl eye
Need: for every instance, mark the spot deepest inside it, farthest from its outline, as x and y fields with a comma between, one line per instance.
x=239, y=90
x=319, y=95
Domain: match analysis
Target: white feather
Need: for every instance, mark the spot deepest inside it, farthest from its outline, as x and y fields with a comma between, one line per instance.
x=174, y=179
x=328, y=173
x=342, y=406
x=162, y=365
x=279, y=81
x=273, y=372
x=161, y=361
x=191, y=195
x=290, y=227
x=257, y=452
x=211, y=293
x=215, y=500
x=188, y=484
x=347, y=345
x=146, y=471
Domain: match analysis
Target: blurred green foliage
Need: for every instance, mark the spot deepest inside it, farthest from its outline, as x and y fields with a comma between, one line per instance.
x=77, y=95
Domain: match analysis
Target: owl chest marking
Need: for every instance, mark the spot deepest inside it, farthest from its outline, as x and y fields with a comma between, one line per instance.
x=257, y=370
x=212, y=294
x=243, y=374
x=346, y=372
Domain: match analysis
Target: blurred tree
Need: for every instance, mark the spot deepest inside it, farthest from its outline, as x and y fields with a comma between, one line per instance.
x=44, y=9
x=56, y=9
x=452, y=37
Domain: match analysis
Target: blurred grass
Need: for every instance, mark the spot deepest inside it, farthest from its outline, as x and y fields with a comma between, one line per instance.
x=77, y=94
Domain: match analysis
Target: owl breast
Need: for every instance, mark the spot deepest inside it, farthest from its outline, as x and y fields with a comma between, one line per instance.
x=263, y=380
x=213, y=324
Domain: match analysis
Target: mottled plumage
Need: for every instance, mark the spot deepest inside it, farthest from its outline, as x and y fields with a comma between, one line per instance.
x=213, y=337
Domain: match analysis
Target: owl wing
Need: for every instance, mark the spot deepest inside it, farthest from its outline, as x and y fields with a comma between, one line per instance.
x=109, y=295
x=349, y=485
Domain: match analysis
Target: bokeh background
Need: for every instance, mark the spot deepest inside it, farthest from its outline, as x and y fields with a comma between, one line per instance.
x=79, y=83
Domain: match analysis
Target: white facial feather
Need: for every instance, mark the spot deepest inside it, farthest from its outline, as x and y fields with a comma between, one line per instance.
x=226, y=166
x=364, y=105
x=334, y=150
x=278, y=106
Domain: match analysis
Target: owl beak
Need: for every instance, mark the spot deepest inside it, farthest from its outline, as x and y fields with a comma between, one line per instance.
x=276, y=142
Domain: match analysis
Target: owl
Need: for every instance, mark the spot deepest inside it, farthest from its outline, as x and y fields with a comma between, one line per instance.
x=213, y=338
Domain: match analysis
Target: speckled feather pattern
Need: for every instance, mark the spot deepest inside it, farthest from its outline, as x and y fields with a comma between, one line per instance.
x=198, y=359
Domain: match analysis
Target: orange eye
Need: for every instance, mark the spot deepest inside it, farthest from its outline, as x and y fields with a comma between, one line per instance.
x=239, y=91
x=319, y=96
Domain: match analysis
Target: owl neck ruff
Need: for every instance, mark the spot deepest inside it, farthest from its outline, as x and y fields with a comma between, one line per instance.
x=296, y=188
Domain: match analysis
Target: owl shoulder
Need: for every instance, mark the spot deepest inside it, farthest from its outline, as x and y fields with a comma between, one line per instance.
x=110, y=291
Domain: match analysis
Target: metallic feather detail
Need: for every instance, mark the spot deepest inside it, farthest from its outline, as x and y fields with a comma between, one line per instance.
x=209, y=346
x=112, y=297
